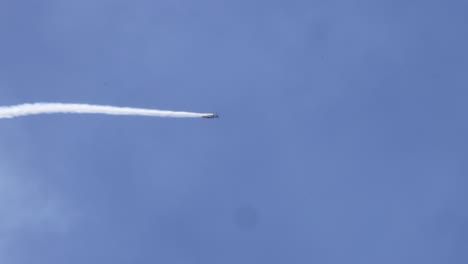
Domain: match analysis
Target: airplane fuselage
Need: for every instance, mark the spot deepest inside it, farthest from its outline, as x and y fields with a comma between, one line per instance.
x=211, y=116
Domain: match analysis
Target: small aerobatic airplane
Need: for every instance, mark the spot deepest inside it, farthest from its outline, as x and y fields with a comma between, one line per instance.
x=211, y=116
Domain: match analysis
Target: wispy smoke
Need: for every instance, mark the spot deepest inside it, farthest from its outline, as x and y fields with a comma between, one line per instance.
x=59, y=108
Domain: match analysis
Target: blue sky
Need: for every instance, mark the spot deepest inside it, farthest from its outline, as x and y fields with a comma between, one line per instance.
x=342, y=137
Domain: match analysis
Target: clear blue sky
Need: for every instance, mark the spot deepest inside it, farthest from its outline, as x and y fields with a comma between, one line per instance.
x=343, y=136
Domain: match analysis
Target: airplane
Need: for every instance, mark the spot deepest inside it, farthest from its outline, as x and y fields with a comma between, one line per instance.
x=211, y=116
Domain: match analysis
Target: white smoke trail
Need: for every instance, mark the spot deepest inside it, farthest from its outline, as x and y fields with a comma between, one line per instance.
x=60, y=108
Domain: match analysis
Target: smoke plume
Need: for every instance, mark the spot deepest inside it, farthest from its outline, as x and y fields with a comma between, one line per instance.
x=60, y=108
